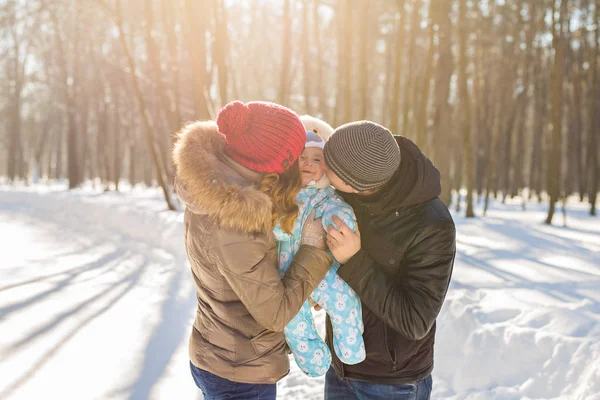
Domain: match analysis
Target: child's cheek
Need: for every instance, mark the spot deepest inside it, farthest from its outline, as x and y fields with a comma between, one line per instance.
x=323, y=166
x=321, y=169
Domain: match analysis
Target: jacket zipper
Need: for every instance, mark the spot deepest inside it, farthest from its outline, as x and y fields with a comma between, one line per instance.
x=389, y=346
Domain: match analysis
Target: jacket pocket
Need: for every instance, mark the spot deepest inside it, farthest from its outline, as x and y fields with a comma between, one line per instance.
x=386, y=253
x=389, y=346
x=265, y=341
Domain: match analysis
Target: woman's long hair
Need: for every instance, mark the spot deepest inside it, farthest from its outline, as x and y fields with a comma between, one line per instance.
x=282, y=189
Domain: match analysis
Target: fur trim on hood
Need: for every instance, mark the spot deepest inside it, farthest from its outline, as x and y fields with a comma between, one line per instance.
x=209, y=186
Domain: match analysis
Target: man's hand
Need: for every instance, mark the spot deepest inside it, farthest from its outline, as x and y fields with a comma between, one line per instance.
x=343, y=243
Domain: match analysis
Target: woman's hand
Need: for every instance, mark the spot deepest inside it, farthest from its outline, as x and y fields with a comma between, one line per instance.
x=313, y=233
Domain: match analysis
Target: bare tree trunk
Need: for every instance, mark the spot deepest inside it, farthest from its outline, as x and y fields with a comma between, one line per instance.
x=388, y=80
x=421, y=130
x=18, y=70
x=117, y=160
x=513, y=117
x=465, y=103
x=442, y=126
x=410, y=60
x=578, y=120
x=166, y=100
x=572, y=133
x=346, y=66
x=73, y=165
x=482, y=108
x=101, y=133
x=517, y=181
x=220, y=48
x=491, y=168
x=84, y=161
x=132, y=161
x=306, y=58
x=395, y=108
x=109, y=154
x=556, y=103
x=72, y=146
x=321, y=90
x=143, y=111
x=505, y=74
x=148, y=171
x=286, y=51
x=68, y=83
x=37, y=148
x=592, y=158
x=48, y=162
x=170, y=23
x=197, y=21
x=539, y=127
x=506, y=164
x=14, y=146
x=364, y=55
x=58, y=171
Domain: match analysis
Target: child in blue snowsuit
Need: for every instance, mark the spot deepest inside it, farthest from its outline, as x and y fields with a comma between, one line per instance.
x=333, y=294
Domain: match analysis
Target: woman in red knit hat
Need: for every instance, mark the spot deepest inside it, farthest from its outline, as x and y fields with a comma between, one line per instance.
x=239, y=177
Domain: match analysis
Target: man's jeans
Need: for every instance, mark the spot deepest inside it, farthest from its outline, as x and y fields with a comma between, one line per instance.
x=216, y=388
x=344, y=389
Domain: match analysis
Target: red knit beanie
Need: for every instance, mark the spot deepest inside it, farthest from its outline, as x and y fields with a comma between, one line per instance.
x=264, y=137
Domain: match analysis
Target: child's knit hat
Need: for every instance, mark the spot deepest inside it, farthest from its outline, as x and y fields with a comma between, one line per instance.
x=318, y=126
x=314, y=140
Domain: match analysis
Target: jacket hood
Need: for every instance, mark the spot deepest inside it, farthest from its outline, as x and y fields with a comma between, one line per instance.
x=211, y=184
x=415, y=181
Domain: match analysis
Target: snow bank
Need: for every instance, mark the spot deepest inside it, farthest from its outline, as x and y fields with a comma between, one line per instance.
x=521, y=319
x=97, y=302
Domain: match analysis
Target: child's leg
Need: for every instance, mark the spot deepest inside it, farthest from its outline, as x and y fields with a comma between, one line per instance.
x=310, y=351
x=345, y=311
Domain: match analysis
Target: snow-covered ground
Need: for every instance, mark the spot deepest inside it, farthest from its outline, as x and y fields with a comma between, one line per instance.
x=96, y=302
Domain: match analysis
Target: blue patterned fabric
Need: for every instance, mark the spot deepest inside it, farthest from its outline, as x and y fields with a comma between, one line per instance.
x=333, y=294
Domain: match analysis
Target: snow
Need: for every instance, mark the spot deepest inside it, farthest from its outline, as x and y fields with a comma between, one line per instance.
x=96, y=302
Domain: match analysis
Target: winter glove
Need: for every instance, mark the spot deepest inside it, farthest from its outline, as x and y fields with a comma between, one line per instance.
x=313, y=233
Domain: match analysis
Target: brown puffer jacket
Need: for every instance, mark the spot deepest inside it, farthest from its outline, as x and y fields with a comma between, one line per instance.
x=243, y=304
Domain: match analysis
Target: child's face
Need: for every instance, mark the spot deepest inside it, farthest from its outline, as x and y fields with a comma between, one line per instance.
x=312, y=165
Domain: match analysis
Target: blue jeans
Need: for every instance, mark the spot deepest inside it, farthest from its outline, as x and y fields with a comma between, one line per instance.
x=216, y=388
x=345, y=389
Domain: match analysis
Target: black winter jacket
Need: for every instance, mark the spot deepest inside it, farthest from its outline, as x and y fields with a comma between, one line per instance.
x=401, y=273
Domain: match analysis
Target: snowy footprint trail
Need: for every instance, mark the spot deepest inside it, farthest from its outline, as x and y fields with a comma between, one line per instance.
x=96, y=302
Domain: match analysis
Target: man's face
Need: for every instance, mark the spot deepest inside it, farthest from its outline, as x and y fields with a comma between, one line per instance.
x=337, y=182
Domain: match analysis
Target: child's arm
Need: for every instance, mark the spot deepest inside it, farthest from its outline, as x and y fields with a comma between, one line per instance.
x=339, y=208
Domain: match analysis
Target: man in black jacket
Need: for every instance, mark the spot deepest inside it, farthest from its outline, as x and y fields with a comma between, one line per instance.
x=399, y=261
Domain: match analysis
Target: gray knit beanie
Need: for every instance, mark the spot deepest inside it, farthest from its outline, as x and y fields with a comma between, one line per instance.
x=363, y=154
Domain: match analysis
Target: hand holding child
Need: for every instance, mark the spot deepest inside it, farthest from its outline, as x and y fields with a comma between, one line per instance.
x=342, y=243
